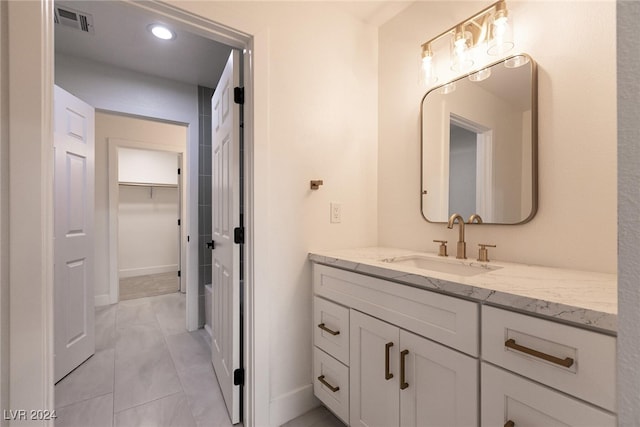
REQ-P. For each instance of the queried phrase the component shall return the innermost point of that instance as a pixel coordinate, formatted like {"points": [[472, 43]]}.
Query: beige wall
{"points": [[576, 222], [134, 129]]}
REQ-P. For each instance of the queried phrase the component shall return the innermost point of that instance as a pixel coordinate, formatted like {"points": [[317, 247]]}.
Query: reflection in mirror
{"points": [[479, 146]]}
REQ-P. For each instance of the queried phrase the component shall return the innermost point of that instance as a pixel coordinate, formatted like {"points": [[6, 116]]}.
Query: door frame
{"points": [[30, 108], [114, 144]]}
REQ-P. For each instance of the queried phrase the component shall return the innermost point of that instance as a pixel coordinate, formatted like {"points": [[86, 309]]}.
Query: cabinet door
{"points": [[508, 399], [440, 385], [374, 396]]}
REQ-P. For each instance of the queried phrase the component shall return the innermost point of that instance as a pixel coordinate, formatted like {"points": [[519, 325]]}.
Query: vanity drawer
{"points": [[447, 320], [583, 363], [331, 328], [508, 397], [331, 383]]}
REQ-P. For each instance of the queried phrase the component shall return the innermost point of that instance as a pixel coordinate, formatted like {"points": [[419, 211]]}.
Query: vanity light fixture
{"points": [[161, 31], [490, 28]]}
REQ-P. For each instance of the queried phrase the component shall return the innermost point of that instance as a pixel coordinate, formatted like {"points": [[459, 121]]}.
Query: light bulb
{"points": [[427, 71], [481, 75], [161, 32], [448, 88], [501, 37], [516, 61], [461, 59]]}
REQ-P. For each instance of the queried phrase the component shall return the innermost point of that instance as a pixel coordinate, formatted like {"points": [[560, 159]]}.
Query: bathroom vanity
{"points": [[409, 339]]}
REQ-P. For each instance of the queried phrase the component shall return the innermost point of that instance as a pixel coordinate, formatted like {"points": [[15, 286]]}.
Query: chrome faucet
{"points": [[461, 253]]}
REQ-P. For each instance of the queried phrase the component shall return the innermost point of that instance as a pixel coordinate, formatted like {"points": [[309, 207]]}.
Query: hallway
{"points": [[147, 371]]}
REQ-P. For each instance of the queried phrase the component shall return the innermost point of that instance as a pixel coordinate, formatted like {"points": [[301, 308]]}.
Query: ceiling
{"points": [[121, 39]]}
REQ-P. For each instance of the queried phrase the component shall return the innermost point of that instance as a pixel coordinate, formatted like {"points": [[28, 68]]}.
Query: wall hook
{"points": [[316, 183]]}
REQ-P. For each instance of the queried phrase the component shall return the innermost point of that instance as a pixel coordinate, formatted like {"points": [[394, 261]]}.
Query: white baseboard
{"points": [[143, 271], [291, 405], [101, 300]]}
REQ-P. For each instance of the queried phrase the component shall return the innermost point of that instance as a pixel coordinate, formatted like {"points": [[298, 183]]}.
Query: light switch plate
{"points": [[336, 212]]}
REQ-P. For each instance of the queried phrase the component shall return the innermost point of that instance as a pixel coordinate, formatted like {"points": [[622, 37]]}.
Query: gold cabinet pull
{"points": [[329, 386], [403, 383], [509, 424], [324, 328], [387, 375], [566, 362]]}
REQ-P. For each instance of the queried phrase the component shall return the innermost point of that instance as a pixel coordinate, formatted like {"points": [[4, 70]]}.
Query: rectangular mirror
{"points": [[479, 145]]}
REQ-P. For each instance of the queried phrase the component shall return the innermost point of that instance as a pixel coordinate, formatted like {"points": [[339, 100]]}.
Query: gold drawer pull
{"points": [[329, 386], [324, 328], [509, 424], [403, 383], [566, 362], [387, 375]]}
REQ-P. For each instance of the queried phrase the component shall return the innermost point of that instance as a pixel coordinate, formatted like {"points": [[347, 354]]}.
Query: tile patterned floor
{"points": [[149, 285], [147, 371], [318, 417]]}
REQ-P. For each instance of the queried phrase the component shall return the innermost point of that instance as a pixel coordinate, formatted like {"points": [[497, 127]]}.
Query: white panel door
{"points": [[225, 260], [74, 335], [440, 385], [374, 378]]}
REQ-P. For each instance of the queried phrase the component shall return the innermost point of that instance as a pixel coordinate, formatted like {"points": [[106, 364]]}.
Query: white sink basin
{"points": [[442, 265]]}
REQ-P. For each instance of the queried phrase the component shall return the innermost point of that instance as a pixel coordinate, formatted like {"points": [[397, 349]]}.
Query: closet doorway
{"points": [[146, 205], [148, 223]]}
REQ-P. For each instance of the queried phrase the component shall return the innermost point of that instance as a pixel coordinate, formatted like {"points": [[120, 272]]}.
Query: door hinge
{"points": [[178, 222], [178, 171], [238, 377], [238, 235], [238, 95], [179, 273]]}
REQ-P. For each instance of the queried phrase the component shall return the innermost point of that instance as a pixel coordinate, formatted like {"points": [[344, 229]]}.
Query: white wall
{"points": [[4, 211], [148, 234], [147, 230], [108, 126], [575, 226], [628, 15], [147, 166]]}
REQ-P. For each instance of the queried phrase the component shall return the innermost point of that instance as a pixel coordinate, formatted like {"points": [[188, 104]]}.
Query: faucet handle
{"points": [[483, 252], [442, 250]]}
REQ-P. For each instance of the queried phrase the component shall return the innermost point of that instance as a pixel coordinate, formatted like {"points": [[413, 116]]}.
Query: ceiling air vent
{"points": [[74, 19]]}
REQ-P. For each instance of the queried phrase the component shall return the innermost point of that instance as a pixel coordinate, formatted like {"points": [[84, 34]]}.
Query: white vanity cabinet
{"points": [[399, 371], [401, 379], [512, 401], [331, 356], [407, 356], [574, 362]]}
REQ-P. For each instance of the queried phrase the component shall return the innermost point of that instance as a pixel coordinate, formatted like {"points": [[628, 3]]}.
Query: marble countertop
{"points": [[581, 297]]}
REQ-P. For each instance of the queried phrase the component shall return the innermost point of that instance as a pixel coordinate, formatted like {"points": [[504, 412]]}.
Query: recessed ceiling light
{"points": [[161, 32]]}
